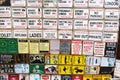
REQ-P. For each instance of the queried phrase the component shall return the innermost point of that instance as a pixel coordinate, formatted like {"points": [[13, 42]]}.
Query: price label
{"points": [[80, 24], [112, 3], [5, 23], [95, 36], [50, 13], [63, 34], [110, 36], [81, 35], [65, 13], [18, 2], [19, 12], [35, 34], [5, 12], [65, 24], [65, 3], [20, 34], [34, 23], [96, 25], [50, 3], [19, 23], [50, 34], [94, 3], [80, 3], [34, 12], [111, 26], [5, 34], [96, 13], [50, 24], [81, 13], [34, 3], [112, 14]]}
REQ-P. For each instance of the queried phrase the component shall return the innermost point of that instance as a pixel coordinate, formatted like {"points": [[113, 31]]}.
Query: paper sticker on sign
{"points": [[5, 23], [5, 12], [19, 23]]}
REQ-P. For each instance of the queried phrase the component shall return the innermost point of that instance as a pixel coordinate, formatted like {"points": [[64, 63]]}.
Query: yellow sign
{"points": [[34, 46], [97, 77], [106, 77], [79, 60], [64, 69], [53, 58], [87, 77], [78, 69], [65, 59], [44, 46]]}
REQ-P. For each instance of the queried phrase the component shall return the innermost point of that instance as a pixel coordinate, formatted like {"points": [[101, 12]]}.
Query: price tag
{"points": [[65, 3], [63, 34], [18, 2], [19, 23], [34, 3], [111, 26], [5, 23], [50, 13], [96, 13], [65, 24], [95, 36], [81, 35], [112, 14], [81, 13], [94, 3], [80, 3], [5, 34], [35, 23], [112, 3], [65, 13], [34, 33], [80, 24], [96, 25], [50, 34], [50, 23], [20, 34], [5, 12], [50, 3], [34, 12], [19, 12], [110, 36]]}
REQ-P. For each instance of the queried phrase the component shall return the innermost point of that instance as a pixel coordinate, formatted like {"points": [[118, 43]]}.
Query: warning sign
{"points": [[64, 69], [78, 69], [65, 59], [53, 59]]}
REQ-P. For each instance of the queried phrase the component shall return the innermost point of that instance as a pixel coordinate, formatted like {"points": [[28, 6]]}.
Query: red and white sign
{"points": [[45, 77], [95, 36], [112, 14], [50, 13], [96, 3], [96, 25], [81, 13], [19, 12], [65, 24], [112, 3], [19, 23], [80, 3], [18, 2], [34, 23], [96, 14], [50, 34], [35, 34], [111, 26], [20, 33], [65, 3], [81, 35], [34, 3], [34, 12], [5, 12], [88, 47], [110, 36], [5, 34], [50, 3], [65, 34], [77, 47], [80, 24], [50, 23], [65, 13], [99, 48], [5, 23]]}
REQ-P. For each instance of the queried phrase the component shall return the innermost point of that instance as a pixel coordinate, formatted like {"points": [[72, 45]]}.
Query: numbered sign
{"points": [[19, 23], [35, 34], [5, 23], [65, 59], [78, 69], [5, 12], [64, 69]]}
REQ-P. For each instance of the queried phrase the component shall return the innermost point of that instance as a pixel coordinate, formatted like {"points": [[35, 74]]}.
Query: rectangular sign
{"points": [[45, 77], [19, 23], [117, 68], [35, 34], [68, 77], [56, 77], [65, 3], [112, 3], [18, 2], [34, 3], [54, 58], [44, 46], [80, 3], [4, 76], [94, 3], [64, 69], [5, 34], [50, 3], [92, 69], [13, 77], [78, 70], [22, 58], [51, 69], [7, 68], [20, 33], [5, 23], [34, 76], [50, 34], [63, 34], [24, 76], [5, 12]]}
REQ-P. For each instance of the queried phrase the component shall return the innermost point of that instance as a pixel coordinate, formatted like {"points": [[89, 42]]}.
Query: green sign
{"points": [[3, 45]]}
